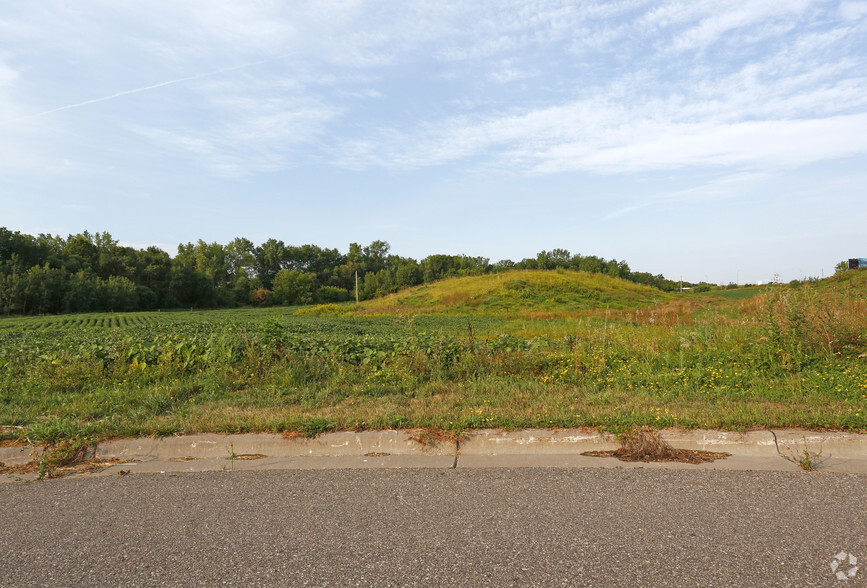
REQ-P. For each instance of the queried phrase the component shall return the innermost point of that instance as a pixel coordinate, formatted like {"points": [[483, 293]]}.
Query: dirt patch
{"points": [[86, 466], [644, 444], [434, 437], [12, 443], [248, 456], [27, 468]]}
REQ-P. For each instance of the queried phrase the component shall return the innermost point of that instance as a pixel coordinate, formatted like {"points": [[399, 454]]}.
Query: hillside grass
{"points": [[734, 294], [528, 294], [786, 357]]}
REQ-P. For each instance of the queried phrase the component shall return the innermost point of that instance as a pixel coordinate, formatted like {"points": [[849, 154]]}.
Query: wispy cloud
{"points": [[794, 100], [125, 93], [853, 11], [722, 18], [627, 85], [624, 211], [254, 136]]}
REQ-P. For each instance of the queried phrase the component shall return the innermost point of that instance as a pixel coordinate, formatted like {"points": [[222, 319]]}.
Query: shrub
{"points": [[261, 297], [331, 294]]}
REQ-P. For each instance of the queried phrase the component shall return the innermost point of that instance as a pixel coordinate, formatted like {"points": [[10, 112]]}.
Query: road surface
{"points": [[444, 527]]}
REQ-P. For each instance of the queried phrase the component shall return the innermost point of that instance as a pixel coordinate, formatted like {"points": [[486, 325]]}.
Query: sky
{"points": [[709, 140]]}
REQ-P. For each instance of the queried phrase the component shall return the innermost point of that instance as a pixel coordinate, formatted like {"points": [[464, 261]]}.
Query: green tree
{"points": [[117, 294], [82, 294], [331, 294], [375, 255], [407, 274], [268, 259], [240, 257], [293, 287]]}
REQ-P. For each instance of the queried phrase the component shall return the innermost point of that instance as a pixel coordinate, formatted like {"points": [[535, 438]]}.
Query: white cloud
{"points": [[749, 144], [508, 72], [724, 17], [617, 85], [852, 11], [752, 124], [7, 75], [255, 135]]}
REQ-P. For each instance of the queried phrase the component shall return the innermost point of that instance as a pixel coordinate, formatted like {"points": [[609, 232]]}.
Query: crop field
{"points": [[785, 357]]}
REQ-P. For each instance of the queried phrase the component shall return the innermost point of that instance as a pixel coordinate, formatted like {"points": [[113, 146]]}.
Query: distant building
{"points": [[857, 262]]}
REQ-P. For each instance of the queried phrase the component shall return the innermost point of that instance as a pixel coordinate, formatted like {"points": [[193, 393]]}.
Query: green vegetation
{"points": [[621, 356], [84, 273], [528, 294], [735, 293]]}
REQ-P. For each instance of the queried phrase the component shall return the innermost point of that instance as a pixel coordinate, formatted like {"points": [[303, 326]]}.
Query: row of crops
{"points": [[57, 324], [198, 339], [122, 321]]}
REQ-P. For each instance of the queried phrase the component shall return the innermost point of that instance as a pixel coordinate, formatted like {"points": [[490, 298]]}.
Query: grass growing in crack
{"points": [[807, 460], [232, 455], [66, 452]]}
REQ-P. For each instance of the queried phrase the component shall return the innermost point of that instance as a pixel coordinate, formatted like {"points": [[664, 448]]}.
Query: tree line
{"points": [[93, 272]]}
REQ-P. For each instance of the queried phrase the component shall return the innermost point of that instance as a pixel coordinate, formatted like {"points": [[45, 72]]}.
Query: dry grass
{"points": [[84, 466], [28, 468], [434, 437], [644, 444]]}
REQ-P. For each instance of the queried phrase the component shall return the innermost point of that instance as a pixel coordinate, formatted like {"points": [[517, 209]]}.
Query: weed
{"points": [[807, 460], [232, 455], [645, 444], [66, 452]]}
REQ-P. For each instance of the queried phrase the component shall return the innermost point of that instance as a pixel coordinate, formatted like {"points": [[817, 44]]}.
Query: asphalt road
{"points": [[484, 527]]}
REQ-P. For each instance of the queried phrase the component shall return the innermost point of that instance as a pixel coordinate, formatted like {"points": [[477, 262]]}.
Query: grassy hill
{"points": [[526, 293], [852, 282]]}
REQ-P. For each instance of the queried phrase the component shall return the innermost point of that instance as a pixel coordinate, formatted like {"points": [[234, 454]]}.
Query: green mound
{"points": [[527, 293]]}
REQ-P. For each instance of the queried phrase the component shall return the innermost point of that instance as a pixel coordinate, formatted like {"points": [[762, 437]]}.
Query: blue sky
{"points": [[714, 140]]}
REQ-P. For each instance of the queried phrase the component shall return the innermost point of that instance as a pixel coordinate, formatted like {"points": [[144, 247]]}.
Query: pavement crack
{"points": [[457, 453], [777, 444]]}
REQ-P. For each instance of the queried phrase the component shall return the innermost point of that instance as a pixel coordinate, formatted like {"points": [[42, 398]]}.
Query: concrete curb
{"points": [[14, 456], [535, 442], [777, 450], [577, 441], [839, 445], [223, 446]]}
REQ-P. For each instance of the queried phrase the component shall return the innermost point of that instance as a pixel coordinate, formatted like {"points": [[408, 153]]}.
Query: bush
{"points": [[332, 294], [261, 297]]}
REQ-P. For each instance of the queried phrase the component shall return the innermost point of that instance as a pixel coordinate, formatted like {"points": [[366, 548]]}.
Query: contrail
{"points": [[128, 92]]}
